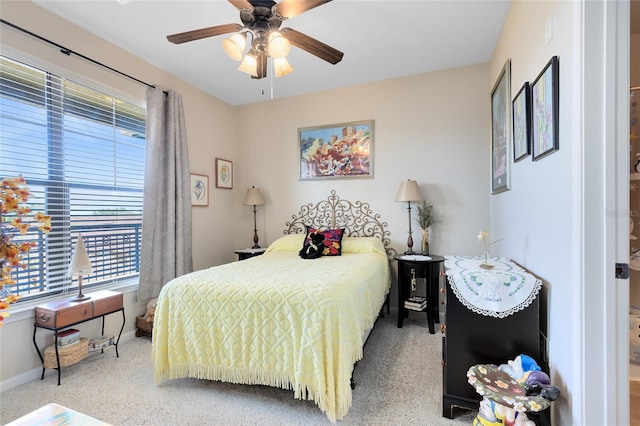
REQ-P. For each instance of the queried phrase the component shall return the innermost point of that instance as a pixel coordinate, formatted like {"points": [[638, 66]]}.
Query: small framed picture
{"points": [[224, 174], [545, 96], [199, 190], [522, 123]]}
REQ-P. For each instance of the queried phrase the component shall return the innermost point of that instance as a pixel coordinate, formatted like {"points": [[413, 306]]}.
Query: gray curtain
{"points": [[166, 223]]}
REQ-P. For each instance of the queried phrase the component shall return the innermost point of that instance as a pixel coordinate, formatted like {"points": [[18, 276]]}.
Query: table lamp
{"points": [[409, 191], [254, 198], [80, 265]]}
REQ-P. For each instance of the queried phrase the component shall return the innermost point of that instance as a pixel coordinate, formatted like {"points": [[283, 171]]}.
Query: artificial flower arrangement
{"points": [[16, 218], [483, 236], [425, 220]]}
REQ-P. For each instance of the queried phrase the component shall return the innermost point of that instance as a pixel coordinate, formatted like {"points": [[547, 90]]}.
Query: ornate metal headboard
{"points": [[356, 217]]}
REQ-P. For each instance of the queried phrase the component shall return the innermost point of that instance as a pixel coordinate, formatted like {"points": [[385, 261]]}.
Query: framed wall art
{"points": [[224, 173], [199, 190], [545, 97], [522, 123], [501, 130], [333, 151]]}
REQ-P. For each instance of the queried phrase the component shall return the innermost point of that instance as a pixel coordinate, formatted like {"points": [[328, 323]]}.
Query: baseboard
{"points": [[36, 373]]}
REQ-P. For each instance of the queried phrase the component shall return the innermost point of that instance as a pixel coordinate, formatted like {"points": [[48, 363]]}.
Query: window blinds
{"points": [[81, 152]]}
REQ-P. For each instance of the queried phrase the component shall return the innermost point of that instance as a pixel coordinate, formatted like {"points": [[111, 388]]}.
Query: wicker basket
{"points": [[68, 354], [143, 328]]}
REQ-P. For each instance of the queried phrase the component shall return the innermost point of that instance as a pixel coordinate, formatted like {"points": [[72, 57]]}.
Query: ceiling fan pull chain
{"points": [[273, 71]]}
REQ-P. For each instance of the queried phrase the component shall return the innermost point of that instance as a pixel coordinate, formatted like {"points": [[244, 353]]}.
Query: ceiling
{"points": [[380, 39]]}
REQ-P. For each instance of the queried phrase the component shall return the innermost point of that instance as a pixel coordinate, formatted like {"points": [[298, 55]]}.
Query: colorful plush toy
{"points": [[313, 246], [509, 390]]}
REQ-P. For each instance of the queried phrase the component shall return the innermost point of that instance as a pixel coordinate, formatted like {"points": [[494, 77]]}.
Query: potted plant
{"points": [[425, 219]]}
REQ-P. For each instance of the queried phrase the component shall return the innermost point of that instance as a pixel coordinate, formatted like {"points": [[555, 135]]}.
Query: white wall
{"points": [[536, 216], [430, 127]]}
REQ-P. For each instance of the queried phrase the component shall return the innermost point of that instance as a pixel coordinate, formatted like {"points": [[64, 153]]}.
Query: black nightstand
{"points": [[415, 266], [249, 252]]}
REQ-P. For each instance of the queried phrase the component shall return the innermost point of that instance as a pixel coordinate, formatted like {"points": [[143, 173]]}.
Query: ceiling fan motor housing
{"points": [[260, 18]]}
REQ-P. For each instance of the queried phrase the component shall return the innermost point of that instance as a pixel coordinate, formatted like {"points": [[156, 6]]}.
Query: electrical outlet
{"points": [[548, 29]]}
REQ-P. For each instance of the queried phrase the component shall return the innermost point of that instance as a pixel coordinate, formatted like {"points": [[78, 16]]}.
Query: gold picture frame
{"points": [[224, 173]]}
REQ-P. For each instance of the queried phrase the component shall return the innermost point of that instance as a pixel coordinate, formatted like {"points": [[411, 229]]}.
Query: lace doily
{"points": [[498, 292]]}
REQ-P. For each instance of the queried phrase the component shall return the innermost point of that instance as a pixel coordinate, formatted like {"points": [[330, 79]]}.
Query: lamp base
{"points": [[409, 252], [80, 297], [255, 246]]}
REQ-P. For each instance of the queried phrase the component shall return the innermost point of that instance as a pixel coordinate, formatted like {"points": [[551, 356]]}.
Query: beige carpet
{"points": [[399, 381]]}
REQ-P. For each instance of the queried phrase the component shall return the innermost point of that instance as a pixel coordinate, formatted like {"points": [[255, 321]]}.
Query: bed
{"points": [[278, 319]]}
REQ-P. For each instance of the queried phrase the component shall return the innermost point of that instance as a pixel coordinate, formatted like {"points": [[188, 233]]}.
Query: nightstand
{"points": [[413, 267], [249, 252]]}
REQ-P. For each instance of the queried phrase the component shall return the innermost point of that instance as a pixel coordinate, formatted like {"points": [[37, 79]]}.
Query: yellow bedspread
{"points": [[275, 320]]}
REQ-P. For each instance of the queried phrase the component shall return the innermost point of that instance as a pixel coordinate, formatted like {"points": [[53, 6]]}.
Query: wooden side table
{"points": [[415, 266], [61, 314], [249, 252]]}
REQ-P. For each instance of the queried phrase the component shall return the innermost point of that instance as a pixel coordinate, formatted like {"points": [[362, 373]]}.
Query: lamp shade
{"points": [[409, 191], [250, 64], [279, 46], [282, 67], [80, 262], [234, 45], [253, 197]]}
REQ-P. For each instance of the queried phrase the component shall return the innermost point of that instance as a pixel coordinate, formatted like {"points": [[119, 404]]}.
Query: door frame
{"points": [[600, 377]]}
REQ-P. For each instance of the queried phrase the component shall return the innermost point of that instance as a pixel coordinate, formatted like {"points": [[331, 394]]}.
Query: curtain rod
{"points": [[69, 52]]}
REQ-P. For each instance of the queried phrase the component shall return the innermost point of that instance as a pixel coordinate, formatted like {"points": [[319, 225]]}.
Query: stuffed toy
{"points": [[151, 310], [313, 246]]}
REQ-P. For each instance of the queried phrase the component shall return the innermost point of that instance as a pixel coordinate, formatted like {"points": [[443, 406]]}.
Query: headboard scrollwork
{"points": [[356, 217]]}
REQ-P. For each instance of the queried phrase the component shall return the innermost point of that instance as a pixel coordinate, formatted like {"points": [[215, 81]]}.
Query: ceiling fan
{"points": [[261, 19]]}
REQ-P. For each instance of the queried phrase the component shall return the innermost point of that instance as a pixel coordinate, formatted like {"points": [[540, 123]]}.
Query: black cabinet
{"points": [[470, 338]]}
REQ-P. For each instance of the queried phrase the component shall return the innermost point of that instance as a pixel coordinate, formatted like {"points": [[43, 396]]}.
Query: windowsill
{"points": [[25, 311]]}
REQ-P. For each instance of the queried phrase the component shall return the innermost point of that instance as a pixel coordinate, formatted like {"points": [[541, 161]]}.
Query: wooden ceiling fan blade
{"points": [[291, 8], [312, 46], [204, 33], [262, 66], [241, 4]]}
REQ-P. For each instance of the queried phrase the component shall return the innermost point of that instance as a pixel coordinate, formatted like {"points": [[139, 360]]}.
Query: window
{"points": [[81, 152]]}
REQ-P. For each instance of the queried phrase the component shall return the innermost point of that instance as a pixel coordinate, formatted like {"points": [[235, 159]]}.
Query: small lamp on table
{"points": [[254, 198], [80, 265], [409, 191]]}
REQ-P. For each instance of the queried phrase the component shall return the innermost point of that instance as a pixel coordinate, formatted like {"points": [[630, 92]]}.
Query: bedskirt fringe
{"points": [[259, 377]]}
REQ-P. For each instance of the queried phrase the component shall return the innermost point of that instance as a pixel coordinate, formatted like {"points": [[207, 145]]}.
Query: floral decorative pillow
{"points": [[332, 240]]}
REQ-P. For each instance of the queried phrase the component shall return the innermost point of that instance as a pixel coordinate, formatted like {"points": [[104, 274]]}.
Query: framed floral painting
{"points": [[224, 173], [522, 123], [545, 99], [199, 190]]}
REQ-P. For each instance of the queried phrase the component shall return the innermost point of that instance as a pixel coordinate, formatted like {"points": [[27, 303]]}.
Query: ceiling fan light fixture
{"points": [[249, 64], [234, 46], [279, 45], [281, 67]]}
